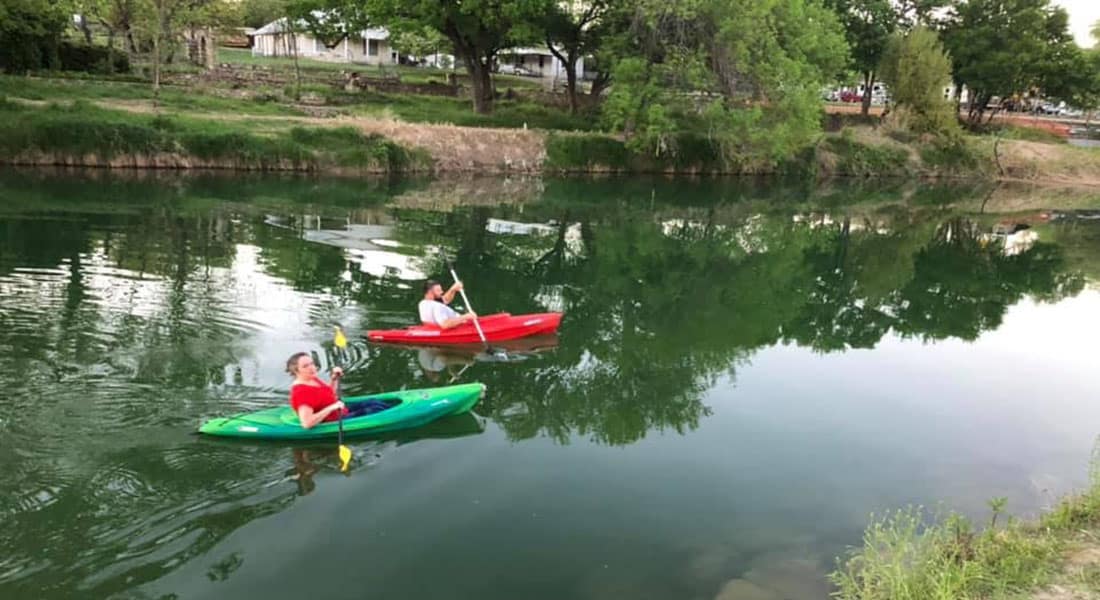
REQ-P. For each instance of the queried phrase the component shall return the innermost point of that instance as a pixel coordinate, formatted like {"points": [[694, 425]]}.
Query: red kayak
{"points": [[497, 328]]}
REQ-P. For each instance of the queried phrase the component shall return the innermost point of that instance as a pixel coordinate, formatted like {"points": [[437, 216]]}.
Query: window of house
{"points": [[372, 48], [541, 57], [318, 47]]}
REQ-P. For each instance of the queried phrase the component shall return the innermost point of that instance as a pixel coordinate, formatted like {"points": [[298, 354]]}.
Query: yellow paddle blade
{"points": [[339, 339], [345, 458]]}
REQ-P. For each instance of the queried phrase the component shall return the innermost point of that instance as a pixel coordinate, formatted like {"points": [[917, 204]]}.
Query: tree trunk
{"points": [[481, 79], [569, 61], [599, 84], [868, 83], [110, 51], [87, 31], [297, 71], [571, 83], [156, 52]]}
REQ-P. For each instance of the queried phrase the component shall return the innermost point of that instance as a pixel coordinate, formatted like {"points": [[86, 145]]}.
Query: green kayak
{"points": [[409, 408]]}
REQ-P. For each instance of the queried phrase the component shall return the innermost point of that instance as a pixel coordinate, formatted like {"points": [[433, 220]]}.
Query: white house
{"points": [[370, 46], [538, 61]]}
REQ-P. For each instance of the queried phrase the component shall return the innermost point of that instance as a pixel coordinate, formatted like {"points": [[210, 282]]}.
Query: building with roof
{"points": [[369, 46]]}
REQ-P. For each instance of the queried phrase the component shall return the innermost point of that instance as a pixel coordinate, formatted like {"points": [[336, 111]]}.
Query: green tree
{"points": [[1007, 48], [868, 25], [257, 13], [575, 29], [745, 74], [916, 68], [30, 32], [477, 29], [916, 13], [418, 41], [329, 22]]}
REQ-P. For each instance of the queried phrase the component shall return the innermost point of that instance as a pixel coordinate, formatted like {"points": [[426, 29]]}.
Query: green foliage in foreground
{"points": [[80, 129], [905, 558], [912, 555]]}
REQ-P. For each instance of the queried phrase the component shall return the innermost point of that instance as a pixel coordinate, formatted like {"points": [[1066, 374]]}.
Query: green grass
{"points": [[1018, 132], [912, 555], [458, 111], [171, 97], [906, 557], [960, 155], [864, 160], [78, 130]]}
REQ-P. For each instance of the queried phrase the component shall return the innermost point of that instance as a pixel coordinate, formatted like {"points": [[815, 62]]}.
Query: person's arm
{"points": [[456, 321], [449, 295], [308, 418]]}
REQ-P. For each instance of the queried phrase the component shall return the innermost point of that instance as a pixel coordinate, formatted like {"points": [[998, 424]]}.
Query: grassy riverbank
{"points": [[94, 122], [80, 133], [910, 555]]}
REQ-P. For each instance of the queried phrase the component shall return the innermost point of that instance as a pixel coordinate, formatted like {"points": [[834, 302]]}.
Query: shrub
{"points": [[916, 68], [586, 152], [92, 59]]}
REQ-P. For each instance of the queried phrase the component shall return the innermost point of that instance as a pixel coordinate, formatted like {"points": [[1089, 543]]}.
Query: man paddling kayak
{"points": [[434, 310], [311, 398]]}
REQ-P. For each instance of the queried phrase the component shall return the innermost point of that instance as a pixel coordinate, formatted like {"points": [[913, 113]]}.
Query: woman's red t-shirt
{"points": [[316, 397]]}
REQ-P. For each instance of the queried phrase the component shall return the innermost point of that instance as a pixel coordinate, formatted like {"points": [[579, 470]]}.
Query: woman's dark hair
{"points": [[292, 362]]}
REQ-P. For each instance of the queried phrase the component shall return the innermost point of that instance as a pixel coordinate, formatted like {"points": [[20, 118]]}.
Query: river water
{"points": [[746, 371]]}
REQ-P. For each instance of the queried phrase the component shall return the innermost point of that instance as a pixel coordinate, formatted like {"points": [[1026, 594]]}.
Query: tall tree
{"points": [[916, 68], [30, 31], [573, 29], [868, 25], [1007, 48], [478, 30], [918, 13], [749, 71]]}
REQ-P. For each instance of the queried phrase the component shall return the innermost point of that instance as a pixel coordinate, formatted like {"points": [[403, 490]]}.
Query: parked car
{"points": [[850, 96], [1048, 108], [516, 70]]}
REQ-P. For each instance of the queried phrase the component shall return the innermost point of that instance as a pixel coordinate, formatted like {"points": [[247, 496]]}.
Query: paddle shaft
{"points": [[477, 325], [339, 415]]}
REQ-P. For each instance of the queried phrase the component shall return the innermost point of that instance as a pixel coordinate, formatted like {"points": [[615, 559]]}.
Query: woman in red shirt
{"points": [[314, 400]]}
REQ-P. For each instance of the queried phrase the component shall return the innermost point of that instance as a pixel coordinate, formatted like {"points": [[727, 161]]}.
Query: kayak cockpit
{"points": [[358, 409]]}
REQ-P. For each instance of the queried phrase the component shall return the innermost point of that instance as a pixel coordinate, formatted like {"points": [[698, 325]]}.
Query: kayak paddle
{"points": [[344, 451], [477, 325], [341, 343]]}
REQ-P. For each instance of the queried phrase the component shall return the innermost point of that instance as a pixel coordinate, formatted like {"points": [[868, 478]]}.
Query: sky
{"points": [[1082, 14]]}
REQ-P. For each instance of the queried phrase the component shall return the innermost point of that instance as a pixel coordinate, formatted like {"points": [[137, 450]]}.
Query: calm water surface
{"points": [[745, 372]]}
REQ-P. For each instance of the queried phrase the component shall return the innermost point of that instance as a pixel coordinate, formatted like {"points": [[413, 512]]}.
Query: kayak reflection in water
{"points": [[434, 362], [311, 398], [434, 310]]}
